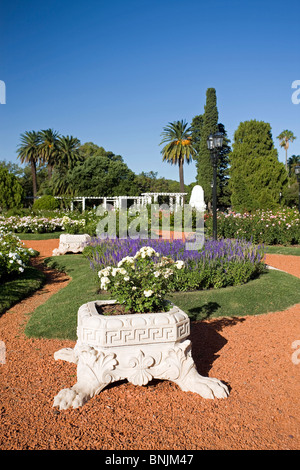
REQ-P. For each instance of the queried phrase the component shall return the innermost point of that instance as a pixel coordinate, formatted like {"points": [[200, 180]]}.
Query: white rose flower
{"points": [[148, 293], [104, 282], [179, 264]]}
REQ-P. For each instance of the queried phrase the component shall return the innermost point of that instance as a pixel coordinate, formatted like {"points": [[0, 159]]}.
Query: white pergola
{"points": [[153, 198], [118, 201]]}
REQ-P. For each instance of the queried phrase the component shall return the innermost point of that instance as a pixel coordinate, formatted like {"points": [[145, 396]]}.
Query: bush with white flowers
{"points": [[14, 257], [140, 282]]}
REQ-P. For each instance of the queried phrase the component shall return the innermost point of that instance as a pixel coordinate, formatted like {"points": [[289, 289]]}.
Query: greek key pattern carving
{"points": [[133, 336]]}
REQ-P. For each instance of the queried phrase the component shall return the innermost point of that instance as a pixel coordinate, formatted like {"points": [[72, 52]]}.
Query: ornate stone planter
{"points": [[71, 244], [136, 347]]}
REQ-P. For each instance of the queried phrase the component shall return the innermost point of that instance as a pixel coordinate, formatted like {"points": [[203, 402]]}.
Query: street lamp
{"points": [[214, 144], [297, 171]]}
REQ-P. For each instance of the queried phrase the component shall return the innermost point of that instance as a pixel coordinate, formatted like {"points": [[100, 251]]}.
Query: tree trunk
{"points": [[33, 173], [49, 168], [181, 179]]}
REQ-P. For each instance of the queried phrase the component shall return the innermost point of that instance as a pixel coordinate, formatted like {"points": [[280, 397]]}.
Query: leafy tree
{"points": [[179, 146], [29, 152], [49, 148], [13, 168], [256, 175], [89, 149], [11, 190], [285, 137], [102, 176]]}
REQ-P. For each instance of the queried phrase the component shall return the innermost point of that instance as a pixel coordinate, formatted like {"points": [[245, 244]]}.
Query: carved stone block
{"points": [[71, 244], [136, 347]]}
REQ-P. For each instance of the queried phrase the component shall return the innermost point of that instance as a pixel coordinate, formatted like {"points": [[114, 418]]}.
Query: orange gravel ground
{"points": [[252, 355]]}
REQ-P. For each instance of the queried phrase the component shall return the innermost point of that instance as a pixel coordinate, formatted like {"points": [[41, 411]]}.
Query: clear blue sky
{"points": [[116, 72]]}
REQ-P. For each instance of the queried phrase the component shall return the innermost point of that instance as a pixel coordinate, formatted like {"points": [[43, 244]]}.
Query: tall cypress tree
{"points": [[209, 126], [256, 175], [223, 188], [202, 126]]}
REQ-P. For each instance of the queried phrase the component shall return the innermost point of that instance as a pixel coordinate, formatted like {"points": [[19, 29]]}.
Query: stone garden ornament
{"points": [[137, 347], [71, 244], [197, 198]]}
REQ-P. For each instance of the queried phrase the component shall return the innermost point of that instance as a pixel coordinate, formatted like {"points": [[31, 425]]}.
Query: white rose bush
{"points": [[14, 257], [140, 282]]}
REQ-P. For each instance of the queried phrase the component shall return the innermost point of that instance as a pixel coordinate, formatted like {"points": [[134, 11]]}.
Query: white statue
{"points": [[197, 198]]}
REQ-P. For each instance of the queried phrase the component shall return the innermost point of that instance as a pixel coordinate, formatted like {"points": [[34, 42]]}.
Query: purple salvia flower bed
{"points": [[230, 257]]}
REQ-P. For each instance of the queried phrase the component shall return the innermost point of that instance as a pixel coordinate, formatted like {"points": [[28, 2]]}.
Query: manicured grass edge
{"points": [[57, 318], [15, 290]]}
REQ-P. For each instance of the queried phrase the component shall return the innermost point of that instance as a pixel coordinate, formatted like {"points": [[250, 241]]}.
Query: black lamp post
{"points": [[214, 144], [297, 171]]}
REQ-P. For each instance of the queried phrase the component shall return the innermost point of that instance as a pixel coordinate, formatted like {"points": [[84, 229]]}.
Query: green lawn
{"points": [[283, 291], [39, 236], [57, 318], [14, 290], [283, 250]]}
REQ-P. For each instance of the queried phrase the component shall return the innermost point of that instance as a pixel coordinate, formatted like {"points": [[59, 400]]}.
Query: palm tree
{"points": [[68, 152], [68, 155], [48, 148], [285, 138], [179, 146], [292, 162], [28, 152]]}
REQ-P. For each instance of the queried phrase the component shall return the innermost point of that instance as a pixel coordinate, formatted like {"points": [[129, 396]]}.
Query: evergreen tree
{"points": [[209, 126], [11, 190], [223, 189], [202, 126], [256, 175]]}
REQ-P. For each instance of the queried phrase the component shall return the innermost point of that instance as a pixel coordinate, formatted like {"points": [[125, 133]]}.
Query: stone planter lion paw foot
{"points": [[135, 347]]}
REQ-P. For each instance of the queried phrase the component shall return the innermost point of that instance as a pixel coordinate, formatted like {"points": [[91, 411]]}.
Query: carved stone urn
{"points": [[137, 347]]}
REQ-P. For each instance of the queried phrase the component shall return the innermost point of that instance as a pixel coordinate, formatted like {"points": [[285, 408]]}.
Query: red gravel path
{"points": [[253, 355]]}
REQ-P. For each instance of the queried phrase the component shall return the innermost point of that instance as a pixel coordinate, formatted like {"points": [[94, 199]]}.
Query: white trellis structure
{"points": [[152, 198], [118, 202]]}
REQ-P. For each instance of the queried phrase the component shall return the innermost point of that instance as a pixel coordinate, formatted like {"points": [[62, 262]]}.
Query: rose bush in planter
{"points": [[140, 282], [145, 338]]}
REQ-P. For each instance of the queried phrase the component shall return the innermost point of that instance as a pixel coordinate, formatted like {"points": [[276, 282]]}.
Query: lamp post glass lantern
{"points": [[214, 144]]}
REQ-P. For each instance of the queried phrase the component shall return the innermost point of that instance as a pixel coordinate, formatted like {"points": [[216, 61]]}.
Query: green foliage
{"points": [[285, 137], [28, 152], [270, 227], [11, 191], [179, 146], [140, 282], [14, 258], [57, 317], [102, 175], [202, 126], [48, 203], [256, 175], [209, 126]]}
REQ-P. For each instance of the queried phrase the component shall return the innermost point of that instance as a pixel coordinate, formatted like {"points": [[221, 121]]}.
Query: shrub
{"points": [[45, 203], [280, 227], [140, 282], [217, 264], [14, 258]]}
